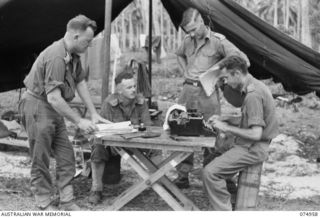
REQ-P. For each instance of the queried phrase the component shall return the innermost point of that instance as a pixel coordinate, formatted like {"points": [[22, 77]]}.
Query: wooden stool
{"points": [[248, 187]]}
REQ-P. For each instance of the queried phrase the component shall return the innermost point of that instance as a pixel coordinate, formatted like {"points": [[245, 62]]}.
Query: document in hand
{"points": [[114, 128], [209, 79]]}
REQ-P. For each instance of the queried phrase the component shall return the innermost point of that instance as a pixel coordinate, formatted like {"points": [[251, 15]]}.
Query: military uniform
{"points": [[199, 59], [114, 110], [258, 109], [47, 133]]}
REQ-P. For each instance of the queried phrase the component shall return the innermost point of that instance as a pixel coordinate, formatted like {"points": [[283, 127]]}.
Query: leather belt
{"points": [[192, 82]]}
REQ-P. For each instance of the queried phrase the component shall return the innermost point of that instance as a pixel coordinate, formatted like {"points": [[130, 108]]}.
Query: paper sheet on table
{"points": [[11, 125], [208, 80], [114, 128]]}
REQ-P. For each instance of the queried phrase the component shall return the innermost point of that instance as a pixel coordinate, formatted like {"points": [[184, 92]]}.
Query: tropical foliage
{"points": [[298, 18]]}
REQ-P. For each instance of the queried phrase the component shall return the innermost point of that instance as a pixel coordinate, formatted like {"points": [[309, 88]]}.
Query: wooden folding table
{"points": [[154, 175]]}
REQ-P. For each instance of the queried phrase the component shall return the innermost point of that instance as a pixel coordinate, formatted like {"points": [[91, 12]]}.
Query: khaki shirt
{"points": [[55, 68], [112, 109], [258, 109], [201, 58]]}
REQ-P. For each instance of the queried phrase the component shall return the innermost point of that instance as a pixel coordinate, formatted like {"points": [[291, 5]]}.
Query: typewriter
{"points": [[190, 123]]}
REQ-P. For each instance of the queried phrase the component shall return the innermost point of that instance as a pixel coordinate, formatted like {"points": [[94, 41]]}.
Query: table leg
{"points": [[187, 203], [150, 180], [134, 190]]}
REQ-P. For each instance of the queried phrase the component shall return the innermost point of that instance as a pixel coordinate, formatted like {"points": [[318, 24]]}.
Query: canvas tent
{"points": [[29, 26]]}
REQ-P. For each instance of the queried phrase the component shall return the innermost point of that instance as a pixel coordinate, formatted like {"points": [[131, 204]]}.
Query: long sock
{"points": [[97, 174]]}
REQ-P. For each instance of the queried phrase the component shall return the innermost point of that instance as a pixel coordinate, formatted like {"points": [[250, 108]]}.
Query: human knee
{"points": [[210, 172], [99, 153]]}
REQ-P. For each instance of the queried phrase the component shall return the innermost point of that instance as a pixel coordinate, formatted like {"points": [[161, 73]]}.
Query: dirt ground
{"points": [[281, 185]]}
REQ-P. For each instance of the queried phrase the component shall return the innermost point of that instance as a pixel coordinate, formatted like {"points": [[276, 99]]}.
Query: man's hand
{"points": [[96, 118], [222, 126], [213, 118], [86, 125], [209, 123]]}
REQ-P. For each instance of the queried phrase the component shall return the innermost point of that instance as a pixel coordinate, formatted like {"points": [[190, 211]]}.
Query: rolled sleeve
{"points": [[55, 74], [254, 110]]}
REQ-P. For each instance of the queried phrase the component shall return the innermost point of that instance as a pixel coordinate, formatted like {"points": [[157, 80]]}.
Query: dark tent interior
{"points": [[27, 27]]}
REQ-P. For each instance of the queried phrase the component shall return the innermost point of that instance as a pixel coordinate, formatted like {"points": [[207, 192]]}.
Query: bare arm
{"points": [[253, 133], [83, 91], [84, 94], [181, 56], [254, 111], [182, 61], [60, 105]]}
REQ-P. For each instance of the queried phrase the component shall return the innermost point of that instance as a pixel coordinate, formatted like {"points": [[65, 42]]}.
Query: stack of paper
{"points": [[114, 128]]}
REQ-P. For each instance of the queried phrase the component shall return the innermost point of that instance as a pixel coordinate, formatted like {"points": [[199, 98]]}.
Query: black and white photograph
{"points": [[159, 105]]}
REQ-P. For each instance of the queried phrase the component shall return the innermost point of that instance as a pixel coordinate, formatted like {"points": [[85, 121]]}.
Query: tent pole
{"points": [[150, 48], [107, 32]]}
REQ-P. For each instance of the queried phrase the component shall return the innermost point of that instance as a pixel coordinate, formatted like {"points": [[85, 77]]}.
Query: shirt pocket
{"points": [[208, 56]]}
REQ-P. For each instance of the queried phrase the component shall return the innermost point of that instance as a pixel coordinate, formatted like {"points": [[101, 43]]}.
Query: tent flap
{"points": [[27, 27]]}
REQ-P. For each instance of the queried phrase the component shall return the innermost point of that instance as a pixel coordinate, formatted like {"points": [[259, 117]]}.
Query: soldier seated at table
{"points": [[124, 105], [258, 126]]}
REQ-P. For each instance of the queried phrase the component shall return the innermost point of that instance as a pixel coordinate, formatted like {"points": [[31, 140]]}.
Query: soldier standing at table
{"points": [[258, 126], [51, 83], [201, 50]]}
